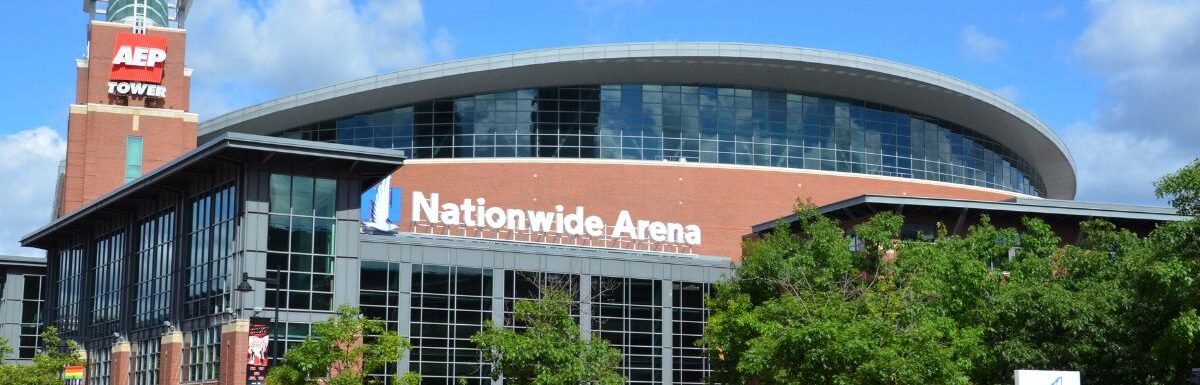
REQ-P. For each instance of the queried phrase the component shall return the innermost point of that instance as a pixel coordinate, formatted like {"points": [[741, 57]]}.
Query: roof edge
{"points": [[1061, 183], [226, 140], [1032, 206]]}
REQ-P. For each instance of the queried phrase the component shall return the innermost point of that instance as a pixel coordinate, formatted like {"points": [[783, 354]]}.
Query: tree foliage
{"points": [[341, 351], [805, 308], [48, 364], [550, 349], [1182, 189]]}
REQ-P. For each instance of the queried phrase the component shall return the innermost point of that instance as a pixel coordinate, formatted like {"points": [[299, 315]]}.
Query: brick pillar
{"points": [[235, 344], [355, 367], [119, 368], [170, 359]]}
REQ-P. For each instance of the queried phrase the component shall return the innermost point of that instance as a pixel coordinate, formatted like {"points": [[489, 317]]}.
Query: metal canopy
{"points": [[1036, 207]]}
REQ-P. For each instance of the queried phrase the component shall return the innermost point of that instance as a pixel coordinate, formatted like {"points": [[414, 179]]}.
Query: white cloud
{"points": [[978, 45], [1117, 166], [1127, 36], [245, 51], [1009, 92], [31, 160], [1148, 52], [444, 43], [1054, 13], [593, 7], [605, 17]]}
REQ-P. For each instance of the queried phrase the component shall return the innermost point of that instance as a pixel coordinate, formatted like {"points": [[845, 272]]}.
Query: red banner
{"points": [[257, 359]]}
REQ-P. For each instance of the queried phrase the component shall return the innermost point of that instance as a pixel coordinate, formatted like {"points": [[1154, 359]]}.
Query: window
{"points": [[133, 158], [527, 285], [155, 256], [31, 320], [145, 362], [300, 241], [285, 336], [703, 123], [689, 315], [204, 355], [68, 282], [379, 298], [628, 313], [98, 366], [109, 276], [449, 305], [212, 228]]}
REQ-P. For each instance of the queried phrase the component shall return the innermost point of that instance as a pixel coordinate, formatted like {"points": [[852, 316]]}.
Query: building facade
{"points": [[132, 96], [22, 284], [434, 197]]}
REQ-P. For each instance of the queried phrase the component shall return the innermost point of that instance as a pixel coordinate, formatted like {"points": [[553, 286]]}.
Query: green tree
{"points": [[335, 353], [1170, 280], [48, 364], [806, 308], [550, 350], [1182, 189]]}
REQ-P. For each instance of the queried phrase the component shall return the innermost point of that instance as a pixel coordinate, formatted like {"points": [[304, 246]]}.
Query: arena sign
{"points": [[137, 65], [477, 214], [382, 204]]}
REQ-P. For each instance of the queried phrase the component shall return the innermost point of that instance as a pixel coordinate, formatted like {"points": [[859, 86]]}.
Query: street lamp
{"points": [[245, 287]]}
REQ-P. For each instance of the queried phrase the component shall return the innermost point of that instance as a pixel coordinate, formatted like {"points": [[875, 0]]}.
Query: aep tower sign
{"points": [[137, 65]]}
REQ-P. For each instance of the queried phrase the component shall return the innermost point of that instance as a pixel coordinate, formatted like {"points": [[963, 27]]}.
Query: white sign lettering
{"points": [[476, 213], [135, 88], [139, 56]]}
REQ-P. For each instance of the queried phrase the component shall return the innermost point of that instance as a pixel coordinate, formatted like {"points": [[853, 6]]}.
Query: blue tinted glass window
{"points": [[645, 122]]}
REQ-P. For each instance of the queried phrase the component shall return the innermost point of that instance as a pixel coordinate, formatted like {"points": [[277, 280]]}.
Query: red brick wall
{"points": [[96, 139], [96, 150], [234, 344], [119, 367], [102, 37], [724, 201], [170, 359]]}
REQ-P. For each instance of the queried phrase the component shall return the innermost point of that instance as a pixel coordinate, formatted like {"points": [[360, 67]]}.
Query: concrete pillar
{"points": [[170, 359], [82, 354], [235, 344], [119, 368]]}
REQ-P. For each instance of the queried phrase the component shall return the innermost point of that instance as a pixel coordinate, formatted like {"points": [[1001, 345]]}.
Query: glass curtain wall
{"points": [[693, 123], [379, 298], [145, 362], [31, 320], [628, 313], [212, 230], [109, 284], [204, 354], [69, 284], [98, 370], [449, 305], [300, 241], [688, 316], [155, 256]]}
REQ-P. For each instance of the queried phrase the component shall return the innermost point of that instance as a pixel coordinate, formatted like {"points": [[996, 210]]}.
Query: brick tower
{"points": [[131, 99]]}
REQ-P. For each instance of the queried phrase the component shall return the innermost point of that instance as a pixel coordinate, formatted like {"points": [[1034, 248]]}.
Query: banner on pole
{"points": [[257, 360]]}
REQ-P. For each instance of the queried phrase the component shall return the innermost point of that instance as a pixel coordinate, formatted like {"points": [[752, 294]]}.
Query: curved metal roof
{"points": [[746, 65]]}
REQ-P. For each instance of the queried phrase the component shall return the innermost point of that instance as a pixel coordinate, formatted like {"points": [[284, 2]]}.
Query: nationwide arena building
{"points": [[434, 197]]}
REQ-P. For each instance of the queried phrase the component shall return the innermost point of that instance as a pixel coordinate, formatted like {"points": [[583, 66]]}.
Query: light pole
{"points": [[245, 287]]}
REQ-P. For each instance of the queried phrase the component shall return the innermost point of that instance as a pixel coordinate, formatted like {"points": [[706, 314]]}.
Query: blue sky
{"points": [[1114, 78]]}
